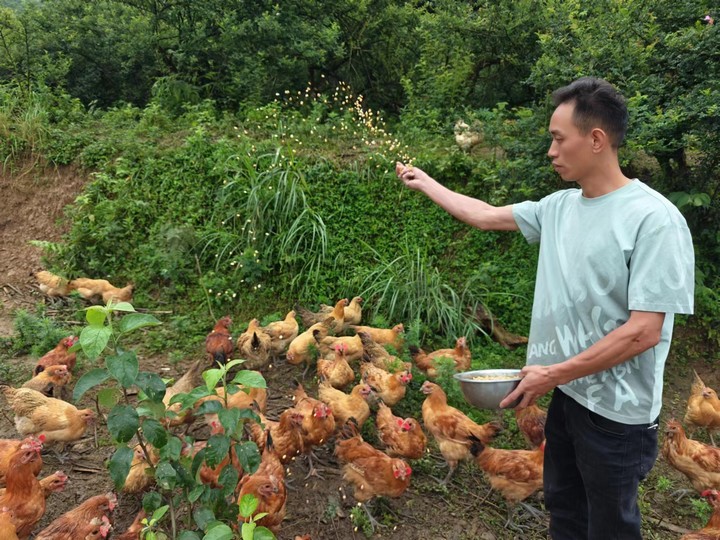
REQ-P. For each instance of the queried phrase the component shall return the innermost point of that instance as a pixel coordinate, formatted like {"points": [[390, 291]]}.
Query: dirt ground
{"points": [[32, 208]]}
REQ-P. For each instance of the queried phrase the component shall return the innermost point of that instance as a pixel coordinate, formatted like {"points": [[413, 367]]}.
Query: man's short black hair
{"points": [[597, 104]]}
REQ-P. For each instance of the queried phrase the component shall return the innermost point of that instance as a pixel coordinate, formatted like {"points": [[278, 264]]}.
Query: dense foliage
{"points": [[234, 165]]}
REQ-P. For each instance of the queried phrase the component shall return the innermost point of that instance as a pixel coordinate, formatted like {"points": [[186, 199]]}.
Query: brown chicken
{"points": [[8, 447], [337, 313], [531, 422], [140, 476], [353, 311], [395, 336], [353, 346], [711, 531], [74, 524], [7, 527], [304, 347], [267, 484], [56, 420], [318, 423], [318, 419], [426, 362], [451, 428], [378, 355], [389, 387], [50, 381], [345, 406], [286, 434], [703, 407], [370, 471], [53, 483], [52, 285], [335, 369], [92, 289], [253, 346], [516, 474], [190, 379], [133, 532], [97, 529], [24, 496], [402, 437], [282, 333], [698, 461], [219, 343], [58, 356]]}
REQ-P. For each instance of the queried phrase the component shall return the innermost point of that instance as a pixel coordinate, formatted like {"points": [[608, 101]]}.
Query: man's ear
{"points": [[600, 139]]}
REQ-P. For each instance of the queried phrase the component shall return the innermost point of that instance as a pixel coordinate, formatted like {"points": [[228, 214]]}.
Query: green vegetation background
{"points": [[242, 153]]}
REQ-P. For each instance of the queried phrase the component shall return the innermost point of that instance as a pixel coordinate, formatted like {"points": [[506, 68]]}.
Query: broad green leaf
{"points": [[203, 516], [172, 450], [263, 533], [109, 397], [123, 367], [165, 475], [188, 535], [151, 501], [133, 321], [94, 339], [151, 536], [150, 409], [152, 385], [123, 422], [89, 380], [250, 379], [96, 315], [248, 456], [197, 462], [120, 465], [232, 363], [248, 504], [212, 377], [154, 432], [219, 532], [247, 530], [217, 449], [123, 306], [195, 493], [209, 407], [159, 513], [188, 400], [228, 479], [229, 419]]}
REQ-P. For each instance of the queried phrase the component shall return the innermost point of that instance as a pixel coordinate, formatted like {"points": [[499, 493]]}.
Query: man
{"points": [[616, 263]]}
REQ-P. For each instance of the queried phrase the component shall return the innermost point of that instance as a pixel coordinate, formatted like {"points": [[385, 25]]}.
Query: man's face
{"points": [[570, 151]]}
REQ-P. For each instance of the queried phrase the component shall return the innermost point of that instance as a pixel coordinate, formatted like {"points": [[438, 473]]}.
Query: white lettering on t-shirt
{"points": [[624, 394]]}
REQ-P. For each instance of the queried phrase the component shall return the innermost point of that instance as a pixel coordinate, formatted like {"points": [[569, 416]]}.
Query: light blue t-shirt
{"points": [[599, 259]]}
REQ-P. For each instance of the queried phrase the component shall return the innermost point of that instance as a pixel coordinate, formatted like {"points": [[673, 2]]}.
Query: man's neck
{"points": [[603, 181]]}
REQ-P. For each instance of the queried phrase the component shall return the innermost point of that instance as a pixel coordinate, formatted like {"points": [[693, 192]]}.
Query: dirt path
{"points": [[31, 208]]}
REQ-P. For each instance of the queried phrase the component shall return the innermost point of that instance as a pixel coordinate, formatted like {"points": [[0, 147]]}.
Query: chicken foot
{"points": [[374, 523]]}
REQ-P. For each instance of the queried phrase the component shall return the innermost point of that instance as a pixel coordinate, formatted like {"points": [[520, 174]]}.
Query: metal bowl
{"points": [[488, 393]]}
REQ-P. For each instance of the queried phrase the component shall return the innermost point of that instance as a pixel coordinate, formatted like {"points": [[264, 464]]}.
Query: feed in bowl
{"points": [[486, 388]]}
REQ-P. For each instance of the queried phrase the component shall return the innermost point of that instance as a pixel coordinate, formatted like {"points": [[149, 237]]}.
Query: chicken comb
{"points": [[32, 443], [112, 500], [61, 476], [105, 527], [400, 422]]}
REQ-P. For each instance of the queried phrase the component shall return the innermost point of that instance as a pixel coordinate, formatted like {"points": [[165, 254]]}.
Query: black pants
{"points": [[593, 467]]}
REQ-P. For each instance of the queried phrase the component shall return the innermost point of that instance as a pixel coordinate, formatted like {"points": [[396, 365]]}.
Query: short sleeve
{"points": [[528, 216], [662, 271]]}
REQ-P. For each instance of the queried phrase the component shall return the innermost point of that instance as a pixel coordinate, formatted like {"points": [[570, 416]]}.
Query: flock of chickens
{"points": [[346, 355]]}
